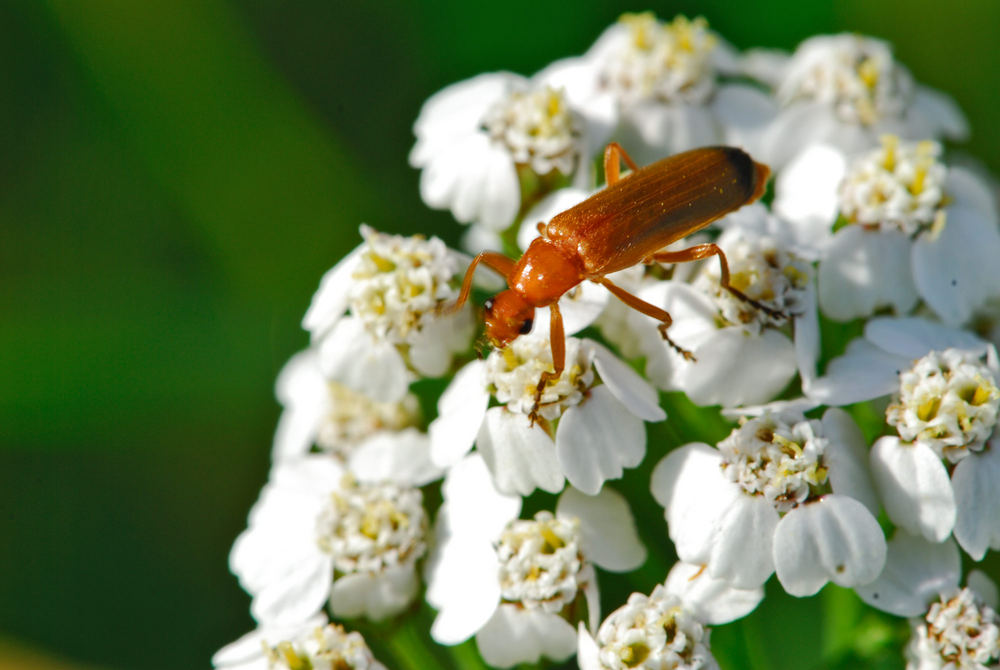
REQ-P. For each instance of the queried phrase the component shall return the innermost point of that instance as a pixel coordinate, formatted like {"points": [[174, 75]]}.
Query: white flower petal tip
{"points": [[518, 453], [713, 600], [628, 387], [514, 636], [461, 410], [914, 487], [610, 537], [916, 572], [977, 497], [835, 539]]}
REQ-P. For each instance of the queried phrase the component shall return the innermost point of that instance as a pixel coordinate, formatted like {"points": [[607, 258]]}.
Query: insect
{"points": [[628, 222]]}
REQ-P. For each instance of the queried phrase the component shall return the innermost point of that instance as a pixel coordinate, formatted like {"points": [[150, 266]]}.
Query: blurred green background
{"points": [[175, 176]]}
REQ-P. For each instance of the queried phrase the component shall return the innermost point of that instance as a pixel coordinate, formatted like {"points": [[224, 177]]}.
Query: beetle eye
{"points": [[525, 327], [488, 304]]}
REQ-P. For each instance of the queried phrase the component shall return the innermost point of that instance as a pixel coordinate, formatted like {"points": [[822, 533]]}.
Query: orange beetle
{"points": [[627, 223]]}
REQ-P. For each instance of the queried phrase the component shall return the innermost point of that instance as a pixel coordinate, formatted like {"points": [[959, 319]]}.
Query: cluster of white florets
{"points": [[949, 401], [900, 186], [538, 128], [959, 631], [668, 62], [367, 528], [654, 631], [514, 372], [541, 562], [865, 217], [779, 460], [399, 282], [857, 76]]}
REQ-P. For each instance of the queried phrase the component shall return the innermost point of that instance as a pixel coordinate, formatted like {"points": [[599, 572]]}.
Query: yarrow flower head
{"points": [[949, 401], [395, 289], [521, 585], [313, 644], [581, 430], [667, 628], [799, 484], [959, 631], [317, 535]]}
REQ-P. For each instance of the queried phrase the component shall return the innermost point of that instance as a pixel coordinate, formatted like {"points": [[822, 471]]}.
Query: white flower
{"points": [[658, 83], [520, 586], [847, 90], [312, 644], [586, 432], [743, 355], [377, 441], [945, 413], [781, 494], [953, 627], [317, 535], [666, 629], [480, 141], [394, 288], [917, 229]]}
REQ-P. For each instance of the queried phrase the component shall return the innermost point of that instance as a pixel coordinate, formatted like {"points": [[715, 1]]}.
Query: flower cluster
{"points": [[839, 328]]}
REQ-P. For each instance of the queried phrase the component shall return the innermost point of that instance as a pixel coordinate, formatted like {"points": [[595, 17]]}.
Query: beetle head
{"points": [[507, 316]]}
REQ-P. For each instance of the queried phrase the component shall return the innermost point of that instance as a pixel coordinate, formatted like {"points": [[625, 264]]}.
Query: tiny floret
{"points": [[959, 631], [513, 374], [897, 187], [855, 75], [541, 562], [367, 528], [328, 647], [781, 460], [399, 282], [353, 417], [947, 400], [663, 62], [538, 128], [654, 631]]}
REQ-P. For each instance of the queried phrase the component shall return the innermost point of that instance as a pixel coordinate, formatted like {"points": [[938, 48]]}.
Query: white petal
{"points": [[586, 650], [597, 439], [375, 597], [835, 539], [459, 107], [403, 457], [608, 534], [652, 130], [973, 192], [847, 457], [952, 269], [297, 596], [351, 356], [515, 635], [303, 391], [627, 386], [711, 600], [807, 348], [984, 587], [463, 586], [521, 457], [708, 516], [473, 505], [461, 410], [734, 368], [863, 271], [694, 316], [744, 112], [805, 191], [432, 347], [914, 487], [942, 112], [976, 482], [332, 297], [916, 572], [862, 373], [248, 649], [913, 337]]}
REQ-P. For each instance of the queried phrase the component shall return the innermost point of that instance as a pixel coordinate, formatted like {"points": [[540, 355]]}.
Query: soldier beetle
{"points": [[630, 221]]}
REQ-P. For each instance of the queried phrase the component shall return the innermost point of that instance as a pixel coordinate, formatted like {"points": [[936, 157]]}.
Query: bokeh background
{"points": [[175, 176]]}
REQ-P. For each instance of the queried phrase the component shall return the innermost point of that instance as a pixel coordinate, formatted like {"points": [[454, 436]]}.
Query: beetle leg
{"points": [[701, 251], [614, 153], [640, 305], [557, 340], [491, 259]]}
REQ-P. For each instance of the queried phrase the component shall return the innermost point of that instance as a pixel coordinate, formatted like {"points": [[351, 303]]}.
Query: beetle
{"points": [[627, 223]]}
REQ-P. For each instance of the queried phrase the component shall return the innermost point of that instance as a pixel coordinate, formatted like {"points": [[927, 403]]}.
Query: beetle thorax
{"points": [[545, 272]]}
